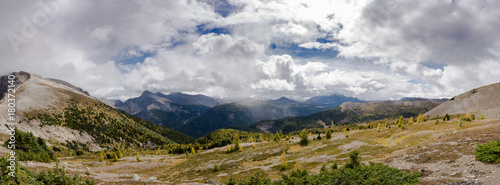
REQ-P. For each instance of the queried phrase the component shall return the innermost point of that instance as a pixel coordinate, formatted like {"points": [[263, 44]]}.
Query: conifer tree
{"points": [[115, 156], [323, 169], [446, 117], [467, 117], [237, 143], [481, 117], [138, 158], [410, 120], [276, 137], [420, 118], [328, 134], [334, 166], [303, 138], [401, 121], [283, 161], [378, 127]]}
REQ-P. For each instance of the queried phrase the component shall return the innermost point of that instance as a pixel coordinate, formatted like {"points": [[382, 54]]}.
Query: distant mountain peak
{"points": [[147, 93], [282, 101], [176, 93]]}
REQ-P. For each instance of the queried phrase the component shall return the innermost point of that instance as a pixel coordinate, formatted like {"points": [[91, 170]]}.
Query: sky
{"points": [[369, 49]]}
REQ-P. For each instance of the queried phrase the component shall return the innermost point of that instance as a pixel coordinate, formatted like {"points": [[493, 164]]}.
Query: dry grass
{"points": [[422, 143]]}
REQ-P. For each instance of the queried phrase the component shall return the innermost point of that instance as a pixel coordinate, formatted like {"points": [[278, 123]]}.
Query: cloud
{"points": [[317, 45], [406, 34], [386, 49], [274, 85]]}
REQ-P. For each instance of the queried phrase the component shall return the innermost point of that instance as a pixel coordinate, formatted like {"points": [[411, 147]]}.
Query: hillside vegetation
{"points": [[441, 152], [347, 113], [109, 126]]}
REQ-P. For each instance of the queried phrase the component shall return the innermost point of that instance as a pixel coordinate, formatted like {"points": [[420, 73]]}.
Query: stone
{"points": [[136, 177], [152, 179], [212, 182]]}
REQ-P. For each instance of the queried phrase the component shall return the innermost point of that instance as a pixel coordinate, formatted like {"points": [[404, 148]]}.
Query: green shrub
{"points": [[355, 173], [446, 117], [56, 175], [488, 152], [31, 148], [216, 168]]}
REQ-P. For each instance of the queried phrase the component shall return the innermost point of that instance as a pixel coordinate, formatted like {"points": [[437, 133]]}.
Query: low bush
{"points": [[488, 152], [354, 172], [56, 175]]}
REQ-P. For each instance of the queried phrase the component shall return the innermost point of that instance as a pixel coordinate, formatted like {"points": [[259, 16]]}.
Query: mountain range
{"points": [[197, 115], [172, 110]]}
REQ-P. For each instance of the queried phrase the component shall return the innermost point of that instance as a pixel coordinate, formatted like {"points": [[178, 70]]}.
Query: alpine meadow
{"points": [[249, 92]]}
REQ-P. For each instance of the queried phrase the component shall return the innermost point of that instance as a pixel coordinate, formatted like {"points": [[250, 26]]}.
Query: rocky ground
{"points": [[443, 153]]}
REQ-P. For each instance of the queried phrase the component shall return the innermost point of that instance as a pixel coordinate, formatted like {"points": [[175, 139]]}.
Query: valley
{"points": [[442, 152], [65, 130]]}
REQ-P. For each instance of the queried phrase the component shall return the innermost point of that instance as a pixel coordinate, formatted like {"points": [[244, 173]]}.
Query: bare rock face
{"points": [[34, 93], [485, 100], [21, 77], [390, 105]]}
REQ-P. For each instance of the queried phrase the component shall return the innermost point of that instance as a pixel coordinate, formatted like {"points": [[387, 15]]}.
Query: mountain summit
{"points": [[282, 101], [172, 110]]}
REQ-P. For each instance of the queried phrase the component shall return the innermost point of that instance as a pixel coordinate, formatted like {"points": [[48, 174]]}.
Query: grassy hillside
{"points": [[108, 126]]}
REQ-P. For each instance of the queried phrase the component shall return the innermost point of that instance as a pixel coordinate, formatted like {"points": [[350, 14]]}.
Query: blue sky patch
{"points": [[296, 51], [434, 65], [417, 81], [203, 29], [135, 59]]}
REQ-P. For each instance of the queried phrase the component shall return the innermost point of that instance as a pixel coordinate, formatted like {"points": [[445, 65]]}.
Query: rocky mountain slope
{"points": [[485, 100], [392, 107], [171, 110], [58, 112]]}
